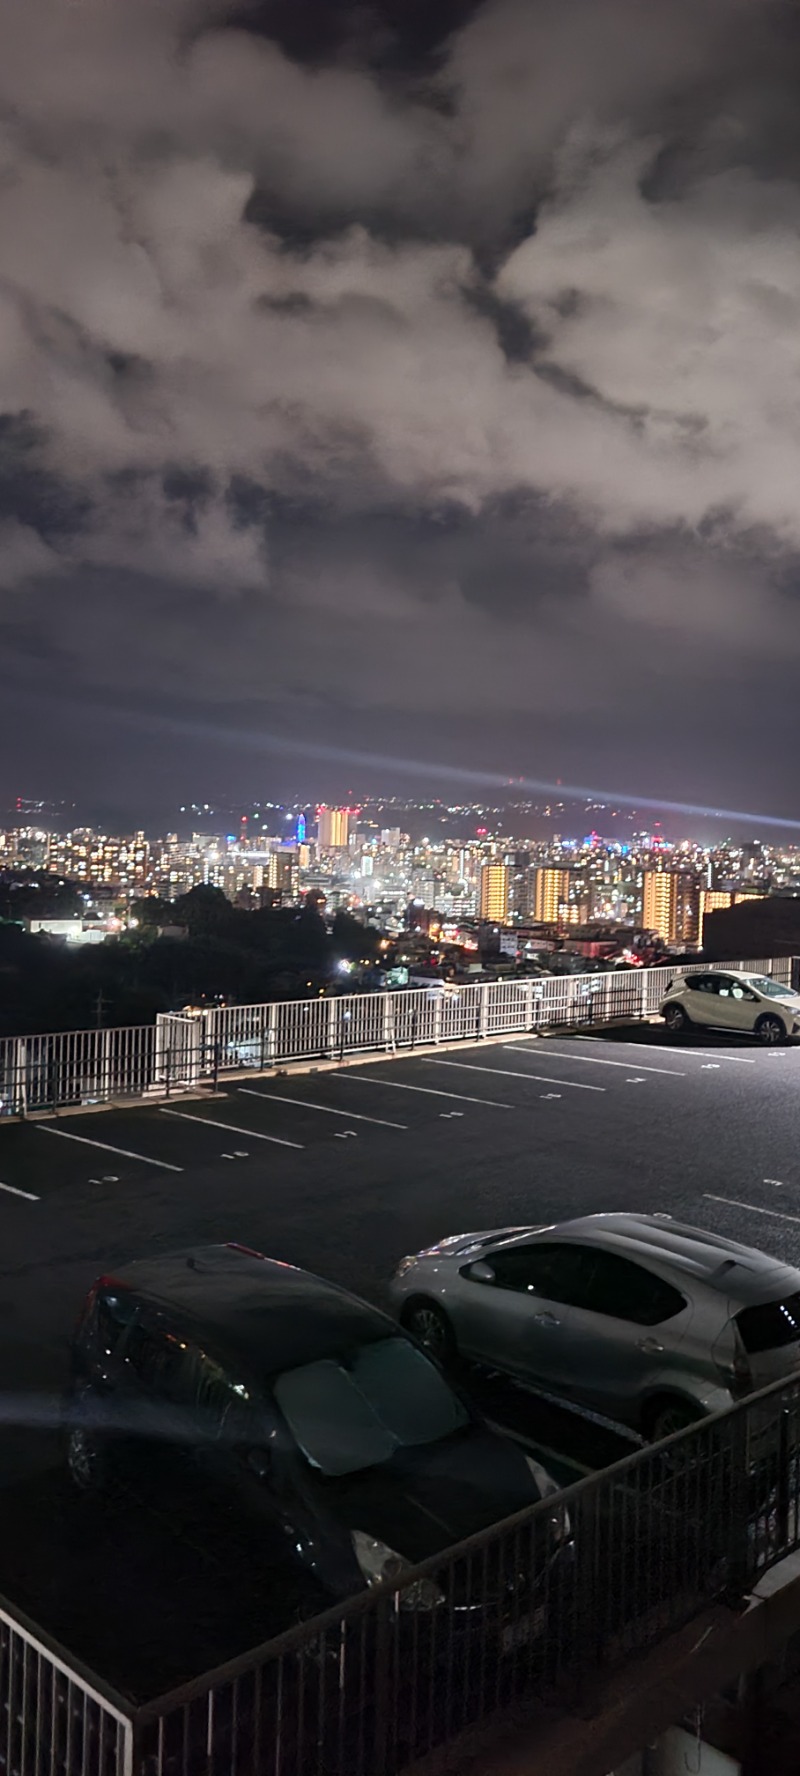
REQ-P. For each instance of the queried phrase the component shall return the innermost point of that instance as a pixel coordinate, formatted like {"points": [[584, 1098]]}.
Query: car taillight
{"points": [[87, 1307]]}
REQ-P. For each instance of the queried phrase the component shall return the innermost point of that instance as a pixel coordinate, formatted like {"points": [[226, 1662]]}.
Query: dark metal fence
{"points": [[77, 1068], [532, 1609], [529, 1609]]}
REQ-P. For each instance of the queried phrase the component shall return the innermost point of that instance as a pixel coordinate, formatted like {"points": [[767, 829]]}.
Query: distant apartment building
{"points": [[671, 905], [551, 896], [712, 900], [333, 828], [94, 858], [494, 890], [520, 883], [660, 903], [283, 874]]}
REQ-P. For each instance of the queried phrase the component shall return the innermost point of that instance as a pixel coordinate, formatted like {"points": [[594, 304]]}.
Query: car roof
{"points": [[267, 1314], [739, 1272]]}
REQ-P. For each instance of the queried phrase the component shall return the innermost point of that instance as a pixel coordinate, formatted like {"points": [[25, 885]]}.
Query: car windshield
{"points": [[770, 988], [353, 1412]]}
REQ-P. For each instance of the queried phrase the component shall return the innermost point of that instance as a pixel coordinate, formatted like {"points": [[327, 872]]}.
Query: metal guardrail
{"points": [[177, 1053], [527, 1611], [54, 1716]]}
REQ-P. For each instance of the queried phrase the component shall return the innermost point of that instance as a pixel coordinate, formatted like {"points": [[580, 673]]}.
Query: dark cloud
{"points": [[424, 373]]}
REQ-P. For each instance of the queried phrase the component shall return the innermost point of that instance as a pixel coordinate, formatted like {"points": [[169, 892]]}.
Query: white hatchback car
{"points": [[719, 1000]]}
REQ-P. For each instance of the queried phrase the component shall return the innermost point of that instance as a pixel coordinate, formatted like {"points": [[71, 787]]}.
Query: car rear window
{"points": [[356, 1412], [770, 1324]]}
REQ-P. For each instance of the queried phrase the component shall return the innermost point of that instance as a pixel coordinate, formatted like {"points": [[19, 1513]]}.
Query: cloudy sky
{"points": [[412, 378]]}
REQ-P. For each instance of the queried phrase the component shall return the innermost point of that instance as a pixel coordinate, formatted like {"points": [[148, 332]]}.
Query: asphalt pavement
{"points": [[344, 1171]]}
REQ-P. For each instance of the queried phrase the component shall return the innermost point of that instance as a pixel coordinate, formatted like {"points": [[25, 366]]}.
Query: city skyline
{"points": [[414, 382]]}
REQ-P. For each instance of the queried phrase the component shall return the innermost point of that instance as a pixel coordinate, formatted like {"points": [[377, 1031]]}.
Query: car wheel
{"points": [[432, 1327], [770, 1029], [86, 1461], [668, 1415], [675, 1019]]}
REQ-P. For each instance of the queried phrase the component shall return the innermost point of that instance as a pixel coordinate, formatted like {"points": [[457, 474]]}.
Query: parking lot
{"points": [[344, 1171]]}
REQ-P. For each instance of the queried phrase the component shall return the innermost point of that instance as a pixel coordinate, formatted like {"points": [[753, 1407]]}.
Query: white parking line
{"points": [[13, 1191], [686, 1054], [429, 1091], [590, 1060], [752, 1208], [718, 1054], [248, 1091], [105, 1146], [504, 1073], [230, 1129]]}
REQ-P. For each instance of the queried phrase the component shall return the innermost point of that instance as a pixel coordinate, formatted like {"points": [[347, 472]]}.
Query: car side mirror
{"points": [[480, 1272], [259, 1463]]}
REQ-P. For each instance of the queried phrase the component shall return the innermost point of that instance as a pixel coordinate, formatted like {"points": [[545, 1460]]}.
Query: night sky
{"points": [[410, 379]]}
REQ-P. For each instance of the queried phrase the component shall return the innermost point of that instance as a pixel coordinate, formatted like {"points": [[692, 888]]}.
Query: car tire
{"points": [[771, 1030], [668, 1414], [85, 1451], [431, 1326], [676, 1020], [87, 1463]]}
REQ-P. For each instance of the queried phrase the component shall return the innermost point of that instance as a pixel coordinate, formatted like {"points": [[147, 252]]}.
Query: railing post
{"points": [[483, 1023], [437, 1017], [104, 1079], [272, 1035], [739, 1556], [783, 1488], [388, 1023], [21, 1074], [383, 1625], [331, 1044], [529, 1005]]}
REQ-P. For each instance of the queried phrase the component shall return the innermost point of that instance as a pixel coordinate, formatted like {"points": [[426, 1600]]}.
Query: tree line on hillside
{"points": [[227, 953]]}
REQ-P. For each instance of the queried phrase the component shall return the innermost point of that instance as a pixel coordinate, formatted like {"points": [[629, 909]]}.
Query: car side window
{"points": [[625, 1291], [551, 1271], [727, 988], [222, 1400], [156, 1358], [703, 983], [114, 1313]]}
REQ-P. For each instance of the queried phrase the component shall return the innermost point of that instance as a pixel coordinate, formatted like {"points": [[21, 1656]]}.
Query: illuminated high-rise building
{"points": [[300, 833], [712, 900], [495, 880], [333, 828], [283, 874], [660, 903], [551, 897]]}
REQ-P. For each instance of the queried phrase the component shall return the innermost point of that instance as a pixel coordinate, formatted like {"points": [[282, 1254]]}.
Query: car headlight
{"points": [[404, 1265], [378, 1562], [560, 1525]]}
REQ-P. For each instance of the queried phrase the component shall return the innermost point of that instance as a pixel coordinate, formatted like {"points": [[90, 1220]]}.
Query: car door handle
{"points": [[651, 1345], [545, 1320]]}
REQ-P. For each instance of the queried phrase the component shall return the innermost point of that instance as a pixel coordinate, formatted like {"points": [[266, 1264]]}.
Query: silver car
{"points": [[719, 1000], [642, 1319]]}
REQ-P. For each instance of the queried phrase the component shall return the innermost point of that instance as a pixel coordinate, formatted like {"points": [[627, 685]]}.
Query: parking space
{"points": [[344, 1171]]}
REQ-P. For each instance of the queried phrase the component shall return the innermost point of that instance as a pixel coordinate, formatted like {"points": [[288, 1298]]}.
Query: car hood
{"points": [[424, 1500]]}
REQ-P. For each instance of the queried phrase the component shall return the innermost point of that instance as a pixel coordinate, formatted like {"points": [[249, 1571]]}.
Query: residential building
{"points": [[551, 896], [495, 879]]}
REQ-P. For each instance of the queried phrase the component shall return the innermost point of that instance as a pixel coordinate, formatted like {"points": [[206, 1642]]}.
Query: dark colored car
{"points": [[309, 1411]]}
